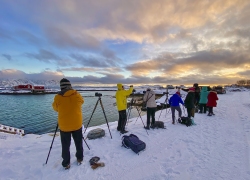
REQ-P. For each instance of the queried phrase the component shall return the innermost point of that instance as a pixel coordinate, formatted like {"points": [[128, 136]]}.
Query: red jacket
{"points": [[212, 98]]}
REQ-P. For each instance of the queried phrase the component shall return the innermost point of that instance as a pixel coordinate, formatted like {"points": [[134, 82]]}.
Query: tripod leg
{"points": [[51, 143], [141, 118], [91, 115], [105, 116], [129, 113], [85, 142], [129, 109]]}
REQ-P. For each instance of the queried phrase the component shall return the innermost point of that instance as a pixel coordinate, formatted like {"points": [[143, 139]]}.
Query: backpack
{"points": [[133, 142], [158, 124], [185, 120], [96, 133]]}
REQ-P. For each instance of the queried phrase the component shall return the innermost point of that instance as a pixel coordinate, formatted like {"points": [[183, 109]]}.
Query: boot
{"points": [[147, 127], [209, 114], [123, 131]]}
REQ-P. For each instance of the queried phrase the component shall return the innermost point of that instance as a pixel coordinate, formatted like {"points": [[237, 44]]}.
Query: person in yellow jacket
{"points": [[68, 103], [121, 102]]}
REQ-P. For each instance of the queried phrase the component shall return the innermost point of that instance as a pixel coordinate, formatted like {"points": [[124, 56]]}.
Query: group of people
{"points": [[68, 104], [195, 98]]}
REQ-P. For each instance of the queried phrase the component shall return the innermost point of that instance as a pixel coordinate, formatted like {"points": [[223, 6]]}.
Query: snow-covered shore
{"points": [[218, 147]]}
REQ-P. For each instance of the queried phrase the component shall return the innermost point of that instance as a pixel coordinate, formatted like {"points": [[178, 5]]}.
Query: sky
{"points": [[216, 148], [131, 42]]}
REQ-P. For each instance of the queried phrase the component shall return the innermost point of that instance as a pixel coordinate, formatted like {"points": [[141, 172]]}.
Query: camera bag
{"points": [[186, 121], [133, 142], [158, 124], [96, 133]]}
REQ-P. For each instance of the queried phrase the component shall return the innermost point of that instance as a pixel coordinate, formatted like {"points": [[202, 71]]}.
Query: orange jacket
{"points": [[69, 108]]}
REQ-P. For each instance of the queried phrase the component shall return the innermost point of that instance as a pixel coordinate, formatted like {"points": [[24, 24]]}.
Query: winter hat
{"points": [[64, 83]]}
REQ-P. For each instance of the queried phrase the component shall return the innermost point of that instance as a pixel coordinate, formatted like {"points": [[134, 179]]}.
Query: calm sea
{"points": [[34, 113]]}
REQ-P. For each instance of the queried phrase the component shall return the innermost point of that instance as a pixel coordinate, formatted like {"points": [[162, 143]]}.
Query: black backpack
{"points": [[186, 121], [133, 142], [158, 124]]}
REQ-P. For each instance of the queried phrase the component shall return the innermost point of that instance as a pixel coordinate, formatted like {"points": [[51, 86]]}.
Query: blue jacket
{"points": [[175, 100], [204, 94]]}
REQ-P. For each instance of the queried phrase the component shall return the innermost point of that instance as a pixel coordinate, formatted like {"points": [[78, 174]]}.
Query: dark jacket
{"points": [[212, 98], [175, 100], [190, 99]]}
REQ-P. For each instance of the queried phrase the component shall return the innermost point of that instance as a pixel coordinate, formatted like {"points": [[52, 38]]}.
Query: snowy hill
{"points": [[7, 83]]}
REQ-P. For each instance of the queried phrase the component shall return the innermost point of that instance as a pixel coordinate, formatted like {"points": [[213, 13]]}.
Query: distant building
{"points": [[29, 87]]}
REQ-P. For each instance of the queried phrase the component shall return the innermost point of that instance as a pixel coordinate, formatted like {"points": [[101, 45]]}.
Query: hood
{"points": [[204, 88], [119, 86], [67, 92]]}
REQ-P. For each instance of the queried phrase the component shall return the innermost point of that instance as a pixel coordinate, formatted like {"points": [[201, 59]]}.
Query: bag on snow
{"points": [[96, 133], [186, 121], [158, 124], [133, 142]]}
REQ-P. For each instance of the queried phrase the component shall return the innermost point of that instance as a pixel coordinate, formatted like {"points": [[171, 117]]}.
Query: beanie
{"points": [[64, 83]]}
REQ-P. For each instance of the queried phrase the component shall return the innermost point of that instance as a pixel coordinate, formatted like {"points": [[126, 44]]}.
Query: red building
{"points": [[29, 87], [38, 88], [23, 87]]}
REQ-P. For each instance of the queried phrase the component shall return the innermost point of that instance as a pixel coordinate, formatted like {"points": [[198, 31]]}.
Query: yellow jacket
{"points": [[121, 97], [69, 108]]}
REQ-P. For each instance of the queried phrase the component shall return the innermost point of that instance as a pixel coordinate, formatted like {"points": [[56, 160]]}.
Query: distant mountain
{"points": [[14, 82]]}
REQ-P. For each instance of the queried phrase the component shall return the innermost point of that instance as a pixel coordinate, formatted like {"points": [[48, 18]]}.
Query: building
{"points": [[29, 87]]}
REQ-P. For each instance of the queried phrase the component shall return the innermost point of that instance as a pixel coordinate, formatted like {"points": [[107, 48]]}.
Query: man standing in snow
{"points": [[68, 103], [189, 102], [174, 102], [149, 98], [121, 102]]}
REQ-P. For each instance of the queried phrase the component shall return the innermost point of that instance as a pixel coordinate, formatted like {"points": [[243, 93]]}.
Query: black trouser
{"points": [[150, 113], [122, 120], [189, 112], [210, 110], [66, 141], [173, 108], [203, 108]]}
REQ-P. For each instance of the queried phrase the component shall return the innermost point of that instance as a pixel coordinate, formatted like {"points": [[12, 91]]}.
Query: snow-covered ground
{"points": [[217, 148]]}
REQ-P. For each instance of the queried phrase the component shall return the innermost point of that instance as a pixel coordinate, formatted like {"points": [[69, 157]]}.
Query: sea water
{"points": [[34, 113]]}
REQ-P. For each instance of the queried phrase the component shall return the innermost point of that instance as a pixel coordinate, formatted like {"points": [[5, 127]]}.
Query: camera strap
{"points": [[148, 98]]}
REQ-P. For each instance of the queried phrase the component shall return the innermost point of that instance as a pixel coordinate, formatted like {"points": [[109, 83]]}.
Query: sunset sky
{"points": [[126, 41]]}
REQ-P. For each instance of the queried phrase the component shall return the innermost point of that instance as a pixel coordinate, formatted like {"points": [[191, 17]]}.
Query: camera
{"points": [[98, 94]]}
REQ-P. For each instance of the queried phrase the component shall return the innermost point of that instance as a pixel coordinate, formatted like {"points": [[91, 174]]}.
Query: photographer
{"points": [[174, 102], [149, 99], [121, 102], [68, 103]]}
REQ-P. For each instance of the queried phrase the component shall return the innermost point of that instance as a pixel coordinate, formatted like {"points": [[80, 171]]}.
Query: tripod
{"points": [[99, 100], [53, 141], [165, 102], [129, 112]]}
